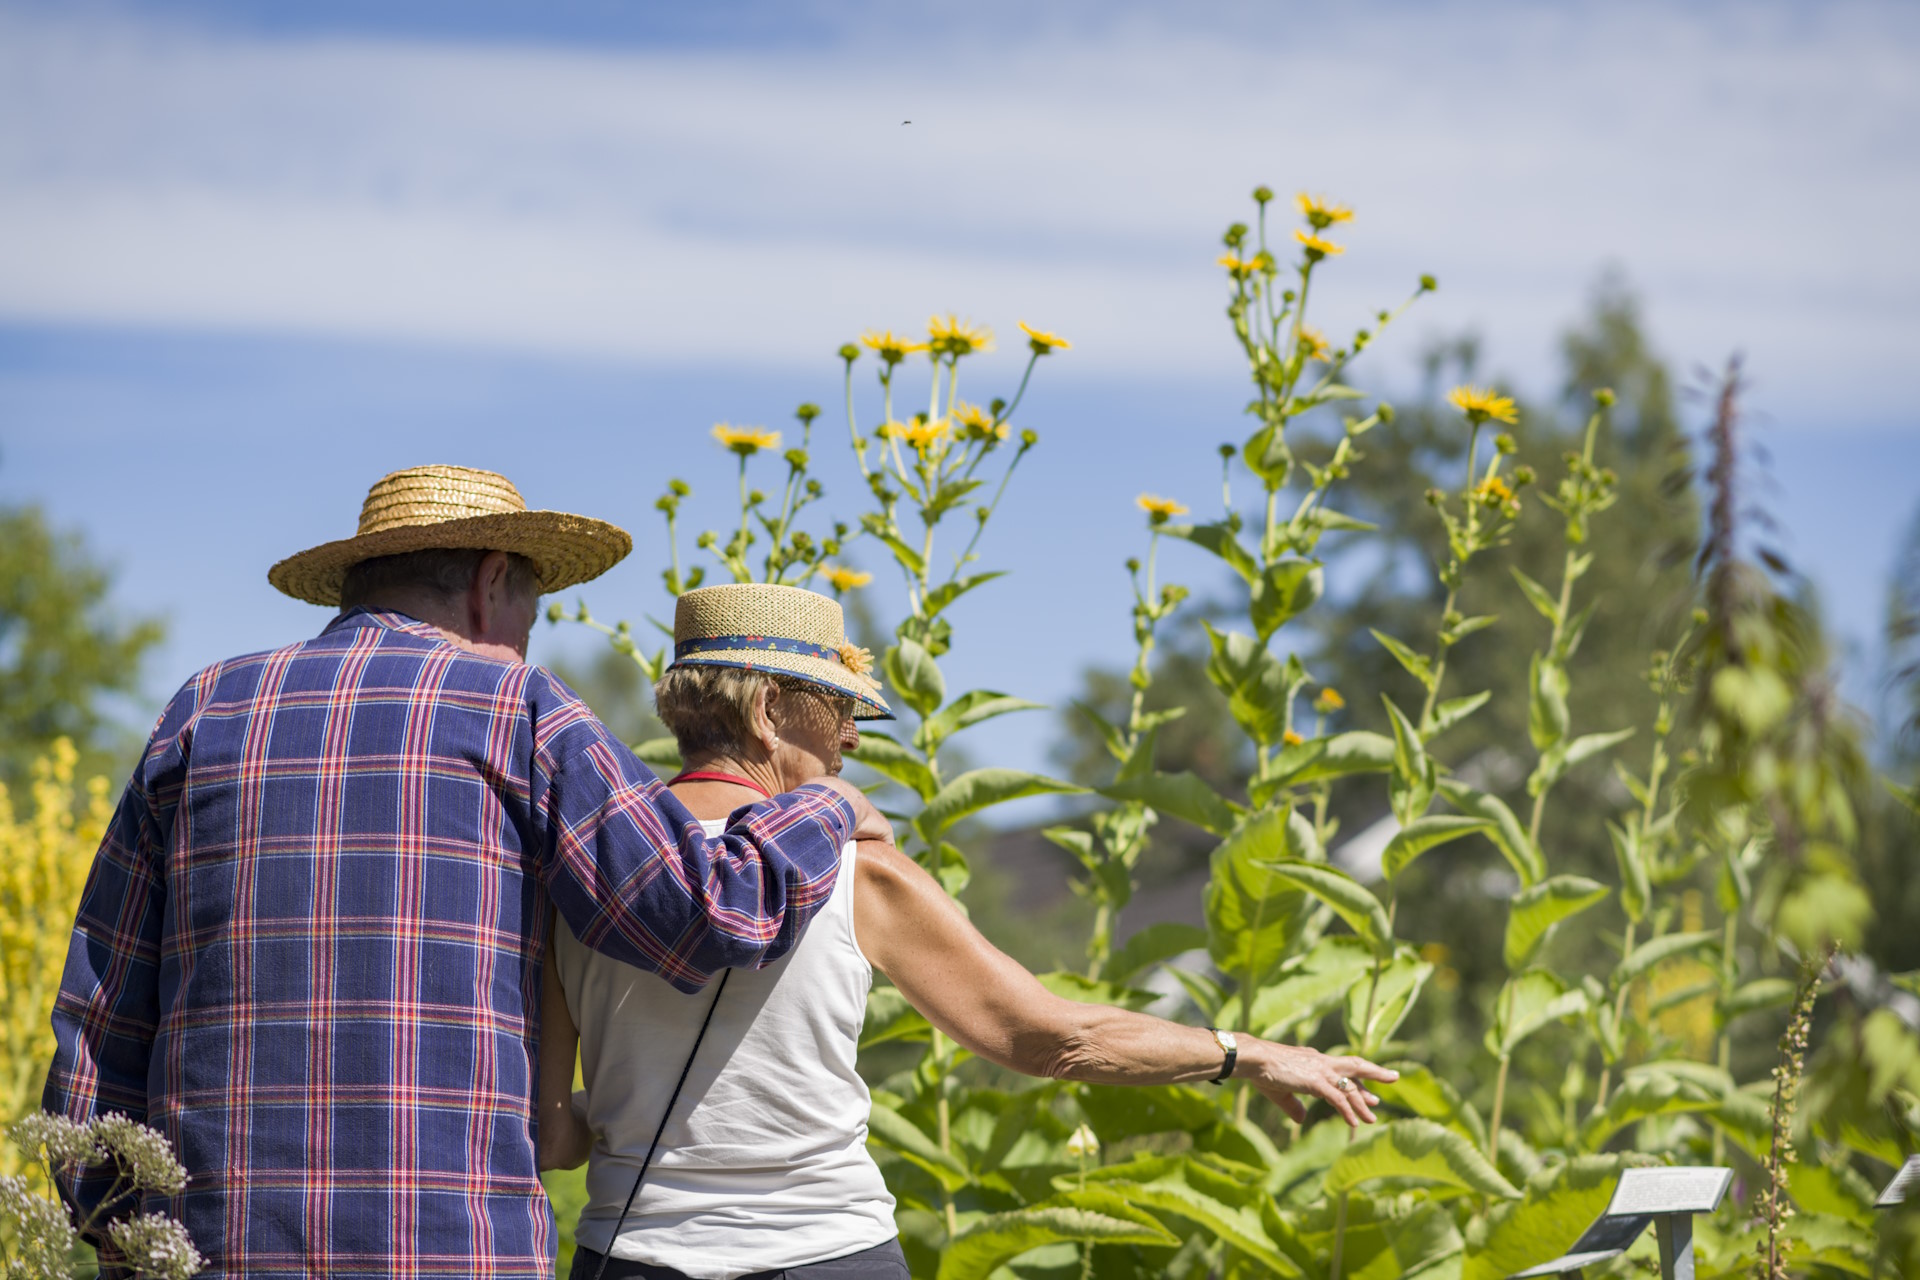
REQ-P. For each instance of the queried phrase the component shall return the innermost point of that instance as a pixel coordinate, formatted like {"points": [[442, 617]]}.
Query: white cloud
{"points": [[1749, 166]]}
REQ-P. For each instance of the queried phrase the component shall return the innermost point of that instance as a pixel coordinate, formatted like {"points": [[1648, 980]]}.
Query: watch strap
{"points": [[1230, 1048]]}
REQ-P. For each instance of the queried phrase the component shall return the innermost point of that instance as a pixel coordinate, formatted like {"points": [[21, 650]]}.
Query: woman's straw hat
{"points": [[787, 631], [424, 508]]}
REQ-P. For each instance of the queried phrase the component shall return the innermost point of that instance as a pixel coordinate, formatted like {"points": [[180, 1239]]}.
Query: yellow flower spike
{"points": [[1042, 342], [845, 579], [1328, 700], [1291, 739], [1318, 248], [956, 337], [1159, 510], [1481, 404], [1313, 344], [746, 441], [1320, 213], [890, 348]]}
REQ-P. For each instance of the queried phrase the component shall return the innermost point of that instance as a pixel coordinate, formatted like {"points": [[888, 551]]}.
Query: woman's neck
{"points": [[714, 798]]}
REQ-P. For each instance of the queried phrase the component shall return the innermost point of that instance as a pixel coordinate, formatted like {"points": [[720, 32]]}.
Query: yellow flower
{"points": [[956, 337], [1318, 248], [1043, 342], [845, 579], [1328, 699], [891, 349], [1493, 491], [1236, 267], [1480, 404], [917, 433], [746, 441], [1319, 213], [1159, 510], [1313, 343], [1291, 739], [979, 423]]}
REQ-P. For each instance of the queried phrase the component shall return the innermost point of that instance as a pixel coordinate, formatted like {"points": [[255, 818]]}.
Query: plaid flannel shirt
{"points": [[309, 949]]}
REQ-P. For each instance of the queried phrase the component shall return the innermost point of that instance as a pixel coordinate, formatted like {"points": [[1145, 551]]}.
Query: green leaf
{"points": [[1507, 834], [1416, 664], [1179, 795], [1653, 952], [970, 709], [978, 789], [1838, 1192], [1636, 892], [1398, 990], [903, 551], [1564, 755], [1310, 986], [1539, 596], [947, 592], [1537, 910], [1286, 590], [1153, 945], [1528, 1002], [1431, 1098], [1350, 900], [1257, 684], [1167, 1184], [1383, 1237], [1254, 915], [888, 1128], [891, 760], [1417, 1149], [1084, 990], [1423, 834], [659, 753], [1205, 993], [1127, 1112], [890, 1017], [1097, 1215], [1334, 757], [1761, 993], [1324, 518], [1220, 540], [1547, 702], [1557, 1206], [911, 670], [1411, 790], [1452, 711], [1656, 1089]]}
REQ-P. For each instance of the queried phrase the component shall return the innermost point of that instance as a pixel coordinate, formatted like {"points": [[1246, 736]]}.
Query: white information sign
{"points": [[1686, 1189], [1903, 1181]]}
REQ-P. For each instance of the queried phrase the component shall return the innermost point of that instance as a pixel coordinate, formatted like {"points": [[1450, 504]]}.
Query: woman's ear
{"points": [[765, 732]]}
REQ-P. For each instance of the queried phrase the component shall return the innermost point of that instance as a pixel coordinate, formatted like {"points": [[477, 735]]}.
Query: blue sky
{"points": [[254, 255]]}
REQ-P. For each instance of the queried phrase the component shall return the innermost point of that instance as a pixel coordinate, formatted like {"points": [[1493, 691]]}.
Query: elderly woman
{"points": [[762, 1167]]}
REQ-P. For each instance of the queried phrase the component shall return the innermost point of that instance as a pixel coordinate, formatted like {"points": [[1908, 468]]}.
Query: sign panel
{"points": [[1903, 1181], [1684, 1189]]}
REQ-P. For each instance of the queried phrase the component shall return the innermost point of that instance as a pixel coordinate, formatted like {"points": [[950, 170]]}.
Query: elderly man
{"points": [[309, 950]]}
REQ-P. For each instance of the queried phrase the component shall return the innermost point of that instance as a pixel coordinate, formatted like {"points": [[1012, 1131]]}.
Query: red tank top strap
{"points": [[715, 775]]}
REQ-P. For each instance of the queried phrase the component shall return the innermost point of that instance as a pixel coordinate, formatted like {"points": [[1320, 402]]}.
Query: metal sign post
{"points": [[1896, 1191], [1667, 1199]]}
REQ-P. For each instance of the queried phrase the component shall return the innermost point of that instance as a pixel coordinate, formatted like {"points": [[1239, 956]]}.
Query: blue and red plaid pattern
{"points": [[309, 949]]}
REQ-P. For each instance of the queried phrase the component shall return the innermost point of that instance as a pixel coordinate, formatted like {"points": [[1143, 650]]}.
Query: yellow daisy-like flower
{"points": [[845, 579], [1043, 342], [1328, 699], [1159, 510], [956, 337], [1320, 213], [1493, 491], [1238, 268], [1313, 344], [1481, 404], [1291, 739], [1318, 248], [891, 348], [746, 441], [979, 424], [921, 435]]}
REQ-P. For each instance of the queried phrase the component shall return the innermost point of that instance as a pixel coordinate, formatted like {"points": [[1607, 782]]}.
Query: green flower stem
{"points": [[1339, 1233], [1619, 1012], [853, 424]]}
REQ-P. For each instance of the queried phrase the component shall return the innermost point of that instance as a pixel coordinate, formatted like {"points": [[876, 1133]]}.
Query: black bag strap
{"points": [[600, 1271]]}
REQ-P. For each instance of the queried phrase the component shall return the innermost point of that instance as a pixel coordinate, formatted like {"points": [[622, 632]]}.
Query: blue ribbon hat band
{"points": [[735, 644]]}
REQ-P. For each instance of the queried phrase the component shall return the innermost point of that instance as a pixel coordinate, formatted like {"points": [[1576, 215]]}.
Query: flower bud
{"points": [[1029, 438], [1236, 235], [1603, 397], [1523, 474], [1428, 284], [796, 458], [1227, 450], [995, 407], [813, 489], [1505, 442], [704, 541], [1385, 411], [554, 612], [1435, 497], [849, 352], [807, 412], [679, 488], [1262, 194]]}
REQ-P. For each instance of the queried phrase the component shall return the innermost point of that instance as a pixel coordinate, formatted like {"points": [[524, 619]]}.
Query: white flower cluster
{"points": [[66, 1144], [143, 1154], [155, 1245], [39, 1238]]}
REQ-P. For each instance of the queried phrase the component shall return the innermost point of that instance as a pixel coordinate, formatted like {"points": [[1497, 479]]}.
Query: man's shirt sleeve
{"points": [[636, 877], [108, 1007]]}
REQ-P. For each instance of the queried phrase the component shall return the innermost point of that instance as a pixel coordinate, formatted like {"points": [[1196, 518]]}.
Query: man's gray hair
{"points": [[442, 572]]}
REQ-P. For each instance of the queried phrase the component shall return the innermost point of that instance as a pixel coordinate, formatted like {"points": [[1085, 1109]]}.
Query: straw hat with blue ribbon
{"points": [[784, 631]]}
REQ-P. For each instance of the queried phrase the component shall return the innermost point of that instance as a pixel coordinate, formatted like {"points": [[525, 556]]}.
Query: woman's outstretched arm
{"points": [[562, 1137], [972, 991]]}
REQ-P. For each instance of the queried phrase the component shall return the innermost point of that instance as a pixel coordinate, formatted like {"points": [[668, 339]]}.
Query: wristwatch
{"points": [[1230, 1047]]}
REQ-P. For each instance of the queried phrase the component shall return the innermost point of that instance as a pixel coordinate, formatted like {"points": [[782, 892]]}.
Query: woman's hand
{"points": [[1283, 1072]]}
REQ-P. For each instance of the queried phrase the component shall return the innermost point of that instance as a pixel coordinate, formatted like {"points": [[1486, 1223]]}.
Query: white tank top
{"points": [[764, 1163]]}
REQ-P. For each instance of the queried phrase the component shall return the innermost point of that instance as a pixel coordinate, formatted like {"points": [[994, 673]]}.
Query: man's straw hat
{"points": [[787, 631], [425, 508]]}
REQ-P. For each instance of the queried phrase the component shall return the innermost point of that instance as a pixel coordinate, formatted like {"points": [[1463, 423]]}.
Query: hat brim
{"points": [[867, 703], [565, 550]]}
